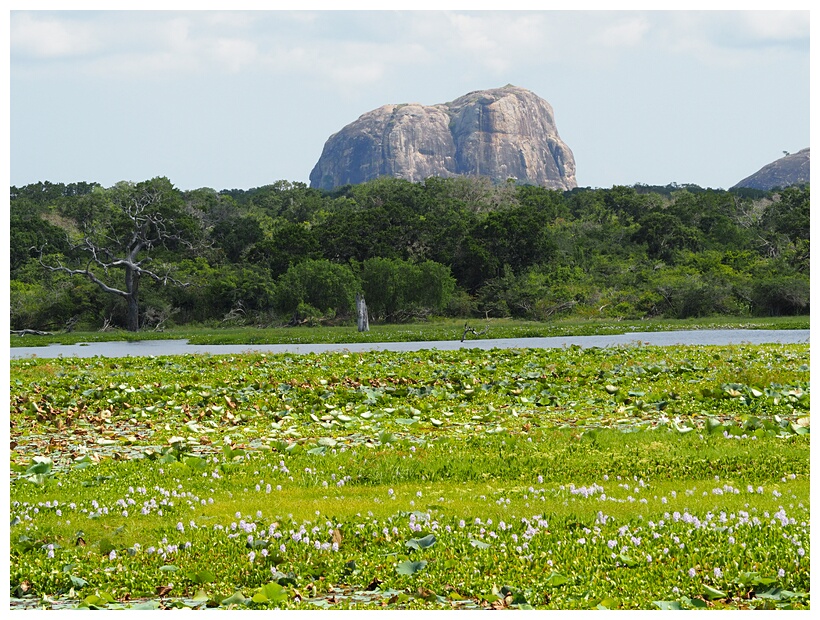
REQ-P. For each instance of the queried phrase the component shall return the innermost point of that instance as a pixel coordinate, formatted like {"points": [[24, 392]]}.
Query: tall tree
{"points": [[137, 222]]}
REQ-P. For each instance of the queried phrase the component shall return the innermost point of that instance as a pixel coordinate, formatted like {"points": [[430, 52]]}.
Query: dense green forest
{"points": [[148, 255]]}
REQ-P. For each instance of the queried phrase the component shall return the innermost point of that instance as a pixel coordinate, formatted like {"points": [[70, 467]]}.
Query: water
{"points": [[146, 348]]}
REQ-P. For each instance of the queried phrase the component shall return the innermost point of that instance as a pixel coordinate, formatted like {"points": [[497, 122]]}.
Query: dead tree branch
{"points": [[470, 330]]}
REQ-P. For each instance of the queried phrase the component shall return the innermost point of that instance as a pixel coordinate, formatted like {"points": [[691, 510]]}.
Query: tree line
{"points": [[147, 255]]}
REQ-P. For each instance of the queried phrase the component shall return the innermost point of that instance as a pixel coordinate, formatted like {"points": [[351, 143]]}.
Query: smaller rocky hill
{"points": [[792, 169]]}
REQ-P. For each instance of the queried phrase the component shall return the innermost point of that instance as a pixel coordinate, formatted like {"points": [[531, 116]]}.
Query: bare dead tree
{"points": [[236, 315], [31, 332], [470, 330], [126, 245]]}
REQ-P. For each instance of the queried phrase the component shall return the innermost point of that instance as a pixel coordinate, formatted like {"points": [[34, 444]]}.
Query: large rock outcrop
{"points": [[791, 169], [498, 133]]}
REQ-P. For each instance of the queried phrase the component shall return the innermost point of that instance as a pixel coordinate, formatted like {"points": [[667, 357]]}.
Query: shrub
{"points": [[784, 295], [327, 287]]}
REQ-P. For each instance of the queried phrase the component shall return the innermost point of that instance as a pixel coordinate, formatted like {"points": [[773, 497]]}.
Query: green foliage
{"points": [[236, 234], [783, 295], [326, 286], [396, 289], [289, 245], [460, 246]]}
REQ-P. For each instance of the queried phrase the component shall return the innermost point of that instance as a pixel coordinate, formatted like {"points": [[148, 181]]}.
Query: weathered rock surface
{"points": [[789, 170], [498, 133]]}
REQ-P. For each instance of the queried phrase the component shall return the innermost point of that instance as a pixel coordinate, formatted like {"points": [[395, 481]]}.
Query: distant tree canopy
{"points": [[286, 253]]}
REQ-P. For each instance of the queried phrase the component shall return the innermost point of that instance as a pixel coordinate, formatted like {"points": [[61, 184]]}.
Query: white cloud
{"points": [[776, 26], [234, 54], [732, 39], [349, 47], [623, 31], [498, 40], [348, 75], [45, 37]]}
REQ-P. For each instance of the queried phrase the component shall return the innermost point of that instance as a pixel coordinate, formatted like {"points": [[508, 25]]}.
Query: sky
{"points": [[240, 99]]}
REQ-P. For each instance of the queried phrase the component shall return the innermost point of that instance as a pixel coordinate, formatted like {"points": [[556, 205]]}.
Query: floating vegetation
{"points": [[623, 478]]}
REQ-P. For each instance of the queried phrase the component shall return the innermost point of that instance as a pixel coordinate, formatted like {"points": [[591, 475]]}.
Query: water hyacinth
{"points": [[587, 535]]}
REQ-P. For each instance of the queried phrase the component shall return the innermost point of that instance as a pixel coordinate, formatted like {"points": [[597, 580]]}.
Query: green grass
{"points": [[443, 329], [630, 478]]}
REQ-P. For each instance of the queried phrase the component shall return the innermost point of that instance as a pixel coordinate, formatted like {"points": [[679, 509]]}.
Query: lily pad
{"points": [[421, 543], [410, 567]]}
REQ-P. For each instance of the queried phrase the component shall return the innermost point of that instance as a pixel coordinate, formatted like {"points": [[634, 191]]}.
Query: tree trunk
{"points": [[132, 285], [361, 314]]}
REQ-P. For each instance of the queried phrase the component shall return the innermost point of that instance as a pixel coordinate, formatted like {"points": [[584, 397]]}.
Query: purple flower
{"points": [[718, 573], [692, 572]]}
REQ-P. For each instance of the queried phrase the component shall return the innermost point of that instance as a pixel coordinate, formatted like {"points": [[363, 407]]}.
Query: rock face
{"points": [[788, 170], [498, 133]]}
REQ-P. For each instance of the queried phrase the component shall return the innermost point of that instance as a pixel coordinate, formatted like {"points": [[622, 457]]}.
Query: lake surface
{"points": [[181, 347]]}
